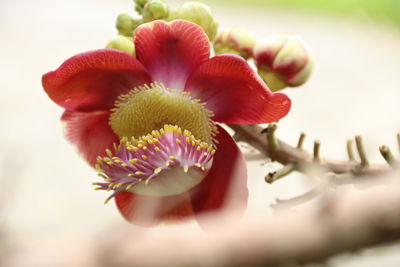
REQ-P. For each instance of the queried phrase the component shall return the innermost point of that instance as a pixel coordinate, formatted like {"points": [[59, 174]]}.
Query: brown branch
{"points": [[339, 222], [286, 154]]}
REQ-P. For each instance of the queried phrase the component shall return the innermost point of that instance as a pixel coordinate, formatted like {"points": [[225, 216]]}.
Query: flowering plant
{"points": [[148, 122]]}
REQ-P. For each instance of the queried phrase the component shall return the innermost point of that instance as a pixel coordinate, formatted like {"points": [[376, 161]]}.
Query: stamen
{"points": [[172, 167]]}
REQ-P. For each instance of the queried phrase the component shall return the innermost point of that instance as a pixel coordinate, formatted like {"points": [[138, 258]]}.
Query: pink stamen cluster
{"points": [[140, 160]]}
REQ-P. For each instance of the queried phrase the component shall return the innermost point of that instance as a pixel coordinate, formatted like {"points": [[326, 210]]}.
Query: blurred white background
{"points": [[45, 188]]}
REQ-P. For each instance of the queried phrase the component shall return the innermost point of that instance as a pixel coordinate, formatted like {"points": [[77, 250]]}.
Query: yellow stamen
{"points": [[134, 160]]}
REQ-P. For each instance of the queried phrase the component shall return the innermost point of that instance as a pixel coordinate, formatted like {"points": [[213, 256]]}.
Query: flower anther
{"points": [[166, 162]]}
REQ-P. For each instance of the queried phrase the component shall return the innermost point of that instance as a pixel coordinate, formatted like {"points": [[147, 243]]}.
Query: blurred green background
{"points": [[387, 10]]}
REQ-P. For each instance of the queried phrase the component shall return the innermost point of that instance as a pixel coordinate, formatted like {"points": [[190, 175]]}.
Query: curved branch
{"points": [[340, 222]]}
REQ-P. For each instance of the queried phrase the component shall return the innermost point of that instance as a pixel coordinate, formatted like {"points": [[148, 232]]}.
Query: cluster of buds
{"points": [[283, 60], [151, 10]]}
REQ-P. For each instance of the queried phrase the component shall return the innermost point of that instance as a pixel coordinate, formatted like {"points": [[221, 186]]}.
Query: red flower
{"points": [[108, 96]]}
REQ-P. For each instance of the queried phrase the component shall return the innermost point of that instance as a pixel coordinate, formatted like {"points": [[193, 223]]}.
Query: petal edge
{"points": [[225, 186], [235, 93], [93, 80]]}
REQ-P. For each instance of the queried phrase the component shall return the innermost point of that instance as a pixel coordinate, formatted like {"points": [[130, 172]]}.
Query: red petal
{"points": [[92, 80], [235, 93], [170, 51], [90, 132], [148, 210], [225, 187]]}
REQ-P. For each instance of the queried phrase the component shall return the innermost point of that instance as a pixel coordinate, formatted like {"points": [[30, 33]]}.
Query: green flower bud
{"points": [[139, 5], [173, 14], [155, 9], [283, 60], [126, 24], [236, 41], [122, 43], [199, 14]]}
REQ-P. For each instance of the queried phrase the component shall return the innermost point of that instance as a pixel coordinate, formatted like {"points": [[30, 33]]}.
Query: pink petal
{"points": [[90, 132], [149, 211], [170, 51], [235, 93], [225, 187], [93, 80]]}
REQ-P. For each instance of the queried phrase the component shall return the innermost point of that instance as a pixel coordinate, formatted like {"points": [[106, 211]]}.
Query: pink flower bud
{"points": [[283, 60], [236, 41]]}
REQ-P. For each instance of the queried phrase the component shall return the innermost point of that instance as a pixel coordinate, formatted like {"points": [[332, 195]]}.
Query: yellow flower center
{"points": [[147, 108]]}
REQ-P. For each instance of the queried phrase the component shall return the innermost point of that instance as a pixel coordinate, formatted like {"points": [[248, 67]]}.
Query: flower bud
{"points": [[236, 41], [122, 43], [139, 5], [126, 24], [155, 9], [199, 14], [283, 60], [173, 14]]}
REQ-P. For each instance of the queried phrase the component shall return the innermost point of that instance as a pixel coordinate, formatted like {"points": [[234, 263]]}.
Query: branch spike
{"points": [[388, 156], [398, 140], [349, 147], [272, 140], [361, 151], [280, 173], [301, 140], [317, 146]]}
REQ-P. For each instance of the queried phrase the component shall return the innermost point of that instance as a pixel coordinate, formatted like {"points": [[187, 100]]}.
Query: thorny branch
{"points": [[299, 159], [331, 172]]}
